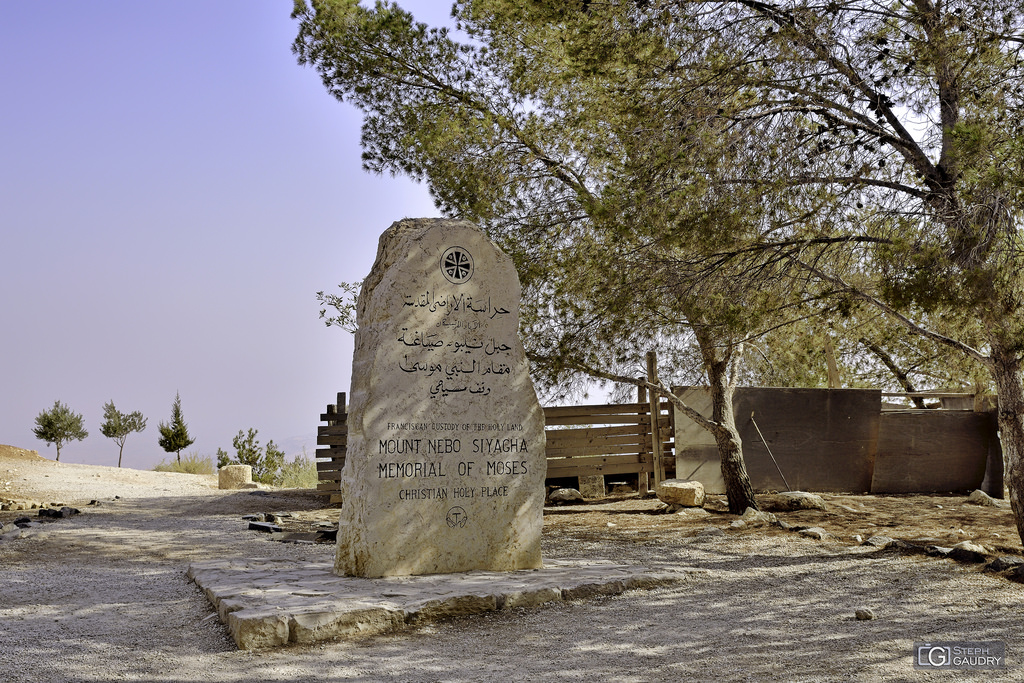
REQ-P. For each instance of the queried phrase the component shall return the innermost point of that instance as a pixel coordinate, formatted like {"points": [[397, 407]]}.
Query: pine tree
{"points": [[266, 464], [174, 437]]}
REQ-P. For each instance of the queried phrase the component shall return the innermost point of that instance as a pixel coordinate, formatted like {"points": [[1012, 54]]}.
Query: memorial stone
{"points": [[445, 465]]}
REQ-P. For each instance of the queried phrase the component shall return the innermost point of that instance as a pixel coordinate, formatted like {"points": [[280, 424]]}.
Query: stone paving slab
{"points": [[272, 602]]}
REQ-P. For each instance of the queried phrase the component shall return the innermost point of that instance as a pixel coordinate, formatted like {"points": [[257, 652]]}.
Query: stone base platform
{"points": [[272, 602]]}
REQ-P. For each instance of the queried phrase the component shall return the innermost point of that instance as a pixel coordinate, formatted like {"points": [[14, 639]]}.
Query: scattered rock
{"points": [[815, 532], [19, 505], [1016, 574], [62, 513], [979, 497], [881, 542], [1004, 562], [968, 552], [565, 496], [752, 517], [681, 492], [788, 501], [864, 614], [327, 535], [693, 513], [937, 551], [857, 538], [265, 527]]}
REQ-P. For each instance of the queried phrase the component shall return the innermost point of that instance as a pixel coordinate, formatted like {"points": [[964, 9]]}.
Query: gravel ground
{"points": [[102, 596]]}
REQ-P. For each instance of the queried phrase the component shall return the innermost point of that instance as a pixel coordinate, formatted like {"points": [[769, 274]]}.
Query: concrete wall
{"points": [[839, 440], [927, 451], [821, 439]]}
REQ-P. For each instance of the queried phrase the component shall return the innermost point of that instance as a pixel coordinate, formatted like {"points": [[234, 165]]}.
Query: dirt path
{"points": [[102, 596]]}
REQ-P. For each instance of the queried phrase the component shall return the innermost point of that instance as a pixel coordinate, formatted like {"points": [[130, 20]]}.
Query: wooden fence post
{"points": [[655, 403], [643, 478]]}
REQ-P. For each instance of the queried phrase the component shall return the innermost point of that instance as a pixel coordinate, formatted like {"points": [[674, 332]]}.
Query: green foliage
{"points": [[174, 436], [344, 304], [266, 463], [223, 459], [623, 152], [192, 463], [59, 425], [117, 426], [300, 473]]}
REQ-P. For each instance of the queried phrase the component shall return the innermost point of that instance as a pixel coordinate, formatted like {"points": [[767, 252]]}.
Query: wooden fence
{"points": [[609, 439], [587, 440], [333, 436]]}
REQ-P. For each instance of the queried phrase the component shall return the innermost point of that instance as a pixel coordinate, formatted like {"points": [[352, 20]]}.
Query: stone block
{"points": [[679, 492], [258, 628], [235, 477], [592, 486]]}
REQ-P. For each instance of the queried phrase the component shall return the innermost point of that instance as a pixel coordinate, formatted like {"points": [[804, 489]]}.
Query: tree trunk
{"points": [[720, 356], [120, 455], [730, 446], [1006, 370]]}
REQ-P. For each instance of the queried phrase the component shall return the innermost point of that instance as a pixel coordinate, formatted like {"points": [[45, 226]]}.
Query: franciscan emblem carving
{"points": [[457, 517], [457, 265]]}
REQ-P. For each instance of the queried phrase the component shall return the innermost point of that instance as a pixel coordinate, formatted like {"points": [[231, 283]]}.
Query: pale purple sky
{"points": [[174, 189]]}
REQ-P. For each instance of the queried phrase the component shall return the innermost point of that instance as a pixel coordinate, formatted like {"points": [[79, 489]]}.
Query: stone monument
{"points": [[445, 465]]}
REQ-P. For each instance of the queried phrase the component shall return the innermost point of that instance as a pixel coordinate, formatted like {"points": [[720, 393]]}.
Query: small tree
{"points": [[266, 464], [174, 437], [223, 459], [117, 426], [59, 425]]}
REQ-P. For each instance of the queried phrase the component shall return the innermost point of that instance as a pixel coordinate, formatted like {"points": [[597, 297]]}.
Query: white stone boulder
{"points": [[799, 500], [681, 492]]}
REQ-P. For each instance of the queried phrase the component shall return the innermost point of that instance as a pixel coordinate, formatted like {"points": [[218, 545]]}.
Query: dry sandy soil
{"points": [[103, 596]]}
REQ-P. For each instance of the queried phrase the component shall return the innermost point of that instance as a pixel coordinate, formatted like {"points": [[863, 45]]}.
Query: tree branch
{"points": [[842, 285]]}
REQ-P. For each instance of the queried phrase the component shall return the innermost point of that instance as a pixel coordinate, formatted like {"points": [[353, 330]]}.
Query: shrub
{"points": [[300, 473], [193, 463], [265, 463]]}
